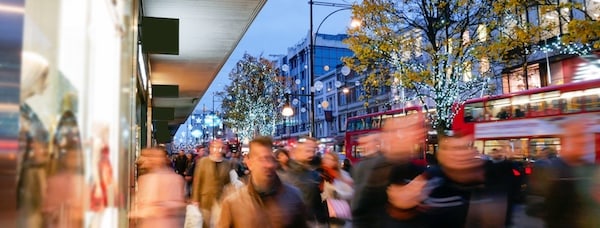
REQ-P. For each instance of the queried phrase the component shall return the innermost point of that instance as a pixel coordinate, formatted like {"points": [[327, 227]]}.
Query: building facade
{"points": [[295, 67]]}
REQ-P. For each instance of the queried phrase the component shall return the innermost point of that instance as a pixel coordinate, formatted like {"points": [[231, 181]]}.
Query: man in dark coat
{"points": [[301, 175]]}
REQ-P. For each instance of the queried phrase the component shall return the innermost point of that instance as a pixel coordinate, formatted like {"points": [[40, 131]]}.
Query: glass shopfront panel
{"points": [[77, 113]]}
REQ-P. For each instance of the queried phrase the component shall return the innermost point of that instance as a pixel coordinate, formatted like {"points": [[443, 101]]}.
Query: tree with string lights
{"points": [[252, 102], [445, 51], [429, 47]]}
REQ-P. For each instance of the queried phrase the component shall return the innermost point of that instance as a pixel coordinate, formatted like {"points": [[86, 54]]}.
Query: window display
{"points": [[76, 121]]}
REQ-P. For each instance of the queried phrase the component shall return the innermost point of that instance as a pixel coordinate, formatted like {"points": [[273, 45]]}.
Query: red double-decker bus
{"points": [[526, 122], [359, 126]]}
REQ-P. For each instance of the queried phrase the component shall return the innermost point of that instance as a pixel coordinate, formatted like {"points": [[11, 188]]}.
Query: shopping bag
{"points": [[235, 179], [339, 208], [193, 217]]}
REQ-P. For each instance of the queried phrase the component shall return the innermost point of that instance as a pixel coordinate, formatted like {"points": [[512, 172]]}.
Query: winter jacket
{"points": [[247, 207], [307, 181]]}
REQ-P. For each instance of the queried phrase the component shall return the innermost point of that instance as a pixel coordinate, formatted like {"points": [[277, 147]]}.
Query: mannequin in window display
{"points": [[66, 134], [104, 191], [33, 139], [32, 182], [63, 205]]}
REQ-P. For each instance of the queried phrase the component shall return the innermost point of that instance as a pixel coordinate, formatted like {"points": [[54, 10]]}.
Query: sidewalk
{"points": [[522, 220]]}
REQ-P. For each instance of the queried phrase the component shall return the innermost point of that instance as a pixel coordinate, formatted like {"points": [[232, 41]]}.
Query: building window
{"points": [[514, 80], [484, 65], [467, 71], [482, 33]]}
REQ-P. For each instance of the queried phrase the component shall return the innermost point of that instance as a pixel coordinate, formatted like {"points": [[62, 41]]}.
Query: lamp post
{"points": [[313, 37]]}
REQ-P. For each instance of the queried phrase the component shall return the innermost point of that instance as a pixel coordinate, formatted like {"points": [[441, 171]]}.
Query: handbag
{"points": [[339, 208]]}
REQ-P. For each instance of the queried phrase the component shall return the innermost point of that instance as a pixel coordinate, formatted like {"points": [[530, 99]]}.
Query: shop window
{"points": [[474, 112], [571, 102], [515, 81]]}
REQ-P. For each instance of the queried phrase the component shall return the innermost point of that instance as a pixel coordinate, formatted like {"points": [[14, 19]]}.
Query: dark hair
{"points": [[282, 151], [261, 140]]}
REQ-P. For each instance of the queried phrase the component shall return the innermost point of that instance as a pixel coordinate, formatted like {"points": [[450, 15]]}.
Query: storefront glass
{"points": [[77, 103]]}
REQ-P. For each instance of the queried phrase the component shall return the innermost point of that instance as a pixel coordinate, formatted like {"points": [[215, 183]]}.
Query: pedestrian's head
{"points": [[189, 155], [401, 137], [497, 154], [331, 160], [151, 158], [282, 156], [216, 148], [347, 164], [370, 144], [576, 138], [305, 150], [181, 153], [260, 159]]}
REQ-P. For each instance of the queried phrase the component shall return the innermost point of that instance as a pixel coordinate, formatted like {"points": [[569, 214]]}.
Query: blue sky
{"points": [[279, 25]]}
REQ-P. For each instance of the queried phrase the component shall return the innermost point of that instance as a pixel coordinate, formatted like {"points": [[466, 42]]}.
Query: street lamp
{"points": [[287, 110], [313, 37]]}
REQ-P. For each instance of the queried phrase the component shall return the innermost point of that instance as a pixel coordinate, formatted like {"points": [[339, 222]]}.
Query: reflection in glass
{"points": [[31, 179]]}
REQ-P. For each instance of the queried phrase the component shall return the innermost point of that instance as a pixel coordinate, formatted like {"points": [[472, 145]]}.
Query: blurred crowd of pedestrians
{"points": [[390, 186]]}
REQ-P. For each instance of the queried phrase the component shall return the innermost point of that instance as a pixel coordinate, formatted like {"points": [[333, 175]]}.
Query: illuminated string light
{"points": [[252, 102]]}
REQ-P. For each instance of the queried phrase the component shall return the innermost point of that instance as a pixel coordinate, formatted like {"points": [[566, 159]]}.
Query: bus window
{"points": [[571, 102], [519, 105], [592, 103], [376, 122], [537, 105], [553, 107], [368, 124], [537, 145], [474, 112], [500, 109]]}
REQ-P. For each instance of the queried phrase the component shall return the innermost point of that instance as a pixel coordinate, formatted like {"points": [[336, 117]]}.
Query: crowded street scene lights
{"points": [[312, 51]]}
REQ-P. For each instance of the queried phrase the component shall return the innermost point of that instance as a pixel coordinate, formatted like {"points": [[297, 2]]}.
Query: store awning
{"points": [[209, 31]]}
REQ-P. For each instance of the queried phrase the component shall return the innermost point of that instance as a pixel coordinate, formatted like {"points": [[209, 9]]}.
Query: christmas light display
{"points": [[429, 52], [252, 102]]}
